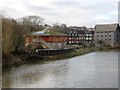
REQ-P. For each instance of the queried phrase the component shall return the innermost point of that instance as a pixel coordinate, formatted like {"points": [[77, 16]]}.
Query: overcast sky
{"points": [[71, 12]]}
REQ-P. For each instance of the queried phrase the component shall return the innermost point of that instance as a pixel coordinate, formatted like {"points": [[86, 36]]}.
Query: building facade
{"points": [[74, 37], [107, 34], [81, 36], [46, 41], [89, 37]]}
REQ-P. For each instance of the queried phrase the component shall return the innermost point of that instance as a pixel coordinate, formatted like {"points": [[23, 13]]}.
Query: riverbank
{"points": [[79, 51], [19, 59]]}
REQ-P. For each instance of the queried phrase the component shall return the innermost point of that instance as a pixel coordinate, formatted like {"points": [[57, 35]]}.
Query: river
{"points": [[93, 70]]}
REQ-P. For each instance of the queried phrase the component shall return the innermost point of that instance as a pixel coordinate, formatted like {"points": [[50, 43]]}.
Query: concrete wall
{"points": [[58, 45]]}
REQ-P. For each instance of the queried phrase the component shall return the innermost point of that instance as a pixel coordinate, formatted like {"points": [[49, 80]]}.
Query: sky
{"points": [[70, 12]]}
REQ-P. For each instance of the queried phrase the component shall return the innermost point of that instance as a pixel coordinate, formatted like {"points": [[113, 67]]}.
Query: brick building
{"points": [[80, 36]]}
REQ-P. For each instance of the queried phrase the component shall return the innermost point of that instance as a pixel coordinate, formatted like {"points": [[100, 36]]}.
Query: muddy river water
{"points": [[93, 70]]}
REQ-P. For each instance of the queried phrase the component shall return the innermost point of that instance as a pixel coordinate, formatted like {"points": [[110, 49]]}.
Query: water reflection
{"points": [[98, 69]]}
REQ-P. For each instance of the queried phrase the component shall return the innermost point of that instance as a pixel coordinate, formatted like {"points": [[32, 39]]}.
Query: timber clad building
{"points": [[108, 34], [46, 41]]}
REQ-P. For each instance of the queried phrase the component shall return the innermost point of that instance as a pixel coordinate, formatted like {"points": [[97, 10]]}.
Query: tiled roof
{"points": [[106, 27]]}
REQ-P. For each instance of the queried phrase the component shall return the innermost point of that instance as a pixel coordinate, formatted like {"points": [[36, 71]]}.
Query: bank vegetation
{"points": [[14, 31], [13, 40]]}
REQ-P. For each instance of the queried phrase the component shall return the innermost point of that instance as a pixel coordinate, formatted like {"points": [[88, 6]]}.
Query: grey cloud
{"points": [[66, 4], [73, 12], [63, 12], [35, 7]]}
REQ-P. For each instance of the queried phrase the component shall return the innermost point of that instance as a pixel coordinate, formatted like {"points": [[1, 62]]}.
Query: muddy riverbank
{"points": [[22, 58]]}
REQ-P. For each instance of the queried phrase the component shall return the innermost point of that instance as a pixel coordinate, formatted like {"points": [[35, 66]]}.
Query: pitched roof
{"points": [[106, 27]]}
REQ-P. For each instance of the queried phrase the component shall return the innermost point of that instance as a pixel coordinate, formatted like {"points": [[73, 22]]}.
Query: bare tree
{"points": [[32, 23], [60, 28]]}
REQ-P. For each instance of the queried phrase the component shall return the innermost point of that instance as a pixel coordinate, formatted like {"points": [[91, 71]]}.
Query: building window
{"points": [[109, 33], [70, 42], [90, 38]]}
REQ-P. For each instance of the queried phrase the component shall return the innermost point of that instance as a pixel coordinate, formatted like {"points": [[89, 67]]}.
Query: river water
{"points": [[93, 70]]}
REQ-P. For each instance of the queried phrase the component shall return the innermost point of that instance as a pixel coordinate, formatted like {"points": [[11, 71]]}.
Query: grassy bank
{"points": [[19, 59]]}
